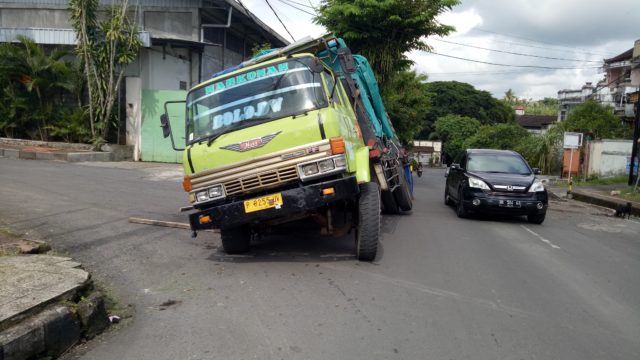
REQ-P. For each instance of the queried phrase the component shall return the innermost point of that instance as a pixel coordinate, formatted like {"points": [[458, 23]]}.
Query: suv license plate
{"points": [[262, 203], [509, 203]]}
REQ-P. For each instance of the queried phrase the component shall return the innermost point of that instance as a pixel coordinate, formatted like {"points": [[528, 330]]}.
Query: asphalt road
{"points": [[441, 288]]}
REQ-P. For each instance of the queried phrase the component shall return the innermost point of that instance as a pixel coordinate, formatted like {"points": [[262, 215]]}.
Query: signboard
{"points": [[572, 140]]}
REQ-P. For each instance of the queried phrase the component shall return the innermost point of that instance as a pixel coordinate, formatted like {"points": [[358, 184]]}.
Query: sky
{"points": [[577, 34]]}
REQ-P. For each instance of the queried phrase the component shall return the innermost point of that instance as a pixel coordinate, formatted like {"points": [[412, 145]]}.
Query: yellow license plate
{"points": [[262, 203]]}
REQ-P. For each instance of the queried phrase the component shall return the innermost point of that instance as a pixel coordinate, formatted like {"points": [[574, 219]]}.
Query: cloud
{"points": [[571, 29]]}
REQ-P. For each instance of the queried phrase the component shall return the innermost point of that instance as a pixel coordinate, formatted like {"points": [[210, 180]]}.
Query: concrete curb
{"points": [[51, 332], [50, 305], [70, 152], [601, 200]]}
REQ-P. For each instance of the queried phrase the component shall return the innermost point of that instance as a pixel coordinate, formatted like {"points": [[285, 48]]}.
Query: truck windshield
{"points": [[260, 94]]}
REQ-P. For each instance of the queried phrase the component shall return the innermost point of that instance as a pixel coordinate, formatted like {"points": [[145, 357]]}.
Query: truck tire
{"points": [[389, 202], [402, 193], [236, 240], [368, 229]]}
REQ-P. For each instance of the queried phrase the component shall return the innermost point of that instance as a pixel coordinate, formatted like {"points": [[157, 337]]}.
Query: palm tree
{"points": [[510, 97], [44, 77]]}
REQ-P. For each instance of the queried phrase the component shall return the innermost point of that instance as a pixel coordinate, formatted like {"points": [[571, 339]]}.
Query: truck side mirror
{"points": [[536, 171], [165, 125]]}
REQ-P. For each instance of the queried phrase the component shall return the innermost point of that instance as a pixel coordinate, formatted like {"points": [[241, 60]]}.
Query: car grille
{"points": [[514, 189], [261, 180]]}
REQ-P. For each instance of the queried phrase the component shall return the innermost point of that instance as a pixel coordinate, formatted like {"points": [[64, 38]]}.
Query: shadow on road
{"points": [[295, 242]]}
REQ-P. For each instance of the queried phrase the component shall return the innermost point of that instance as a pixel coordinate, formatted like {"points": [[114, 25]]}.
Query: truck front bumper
{"points": [[294, 201]]}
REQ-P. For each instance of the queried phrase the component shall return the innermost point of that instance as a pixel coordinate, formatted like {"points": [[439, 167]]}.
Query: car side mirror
{"points": [[455, 166], [165, 125], [536, 171]]}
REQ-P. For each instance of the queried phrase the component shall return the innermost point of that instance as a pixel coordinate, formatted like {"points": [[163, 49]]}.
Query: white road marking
{"points": [[541, 238]]}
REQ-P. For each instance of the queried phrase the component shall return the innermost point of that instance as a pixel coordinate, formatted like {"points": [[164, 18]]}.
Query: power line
{"points": [[278, 17], [498, 72], [515, 53], [511, 65], [540, 42], [297, 8], [301, 4]]}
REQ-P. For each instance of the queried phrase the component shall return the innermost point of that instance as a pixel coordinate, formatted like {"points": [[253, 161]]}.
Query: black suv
{"points": [[495, 181]]}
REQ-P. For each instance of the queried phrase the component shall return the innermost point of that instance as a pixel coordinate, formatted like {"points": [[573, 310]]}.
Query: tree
{"points": [[34, 83], [452, 97], [454, 130], [498, 136], [106, 47], [384, 31], [596, 118], [510, 97], [543, 151], [407, 104]]}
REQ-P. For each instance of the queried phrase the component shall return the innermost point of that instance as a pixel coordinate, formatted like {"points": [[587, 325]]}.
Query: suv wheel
{"points": [[536, 218], [460, 210]]}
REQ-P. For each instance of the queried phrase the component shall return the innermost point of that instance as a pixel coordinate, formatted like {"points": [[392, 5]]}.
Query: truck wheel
{"points": [[236, 240], [389, 202], [368, 229], [402, 193]]}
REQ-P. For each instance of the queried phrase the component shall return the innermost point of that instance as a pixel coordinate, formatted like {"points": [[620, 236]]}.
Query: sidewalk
{"points": [[597, 195], [47, 303], [41, 150]]}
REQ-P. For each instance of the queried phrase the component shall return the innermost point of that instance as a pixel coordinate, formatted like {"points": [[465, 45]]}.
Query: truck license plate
{"points": [[262, 203], [509, 203]]}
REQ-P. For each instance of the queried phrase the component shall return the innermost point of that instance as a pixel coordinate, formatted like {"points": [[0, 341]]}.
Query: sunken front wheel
{"points": [[236, 240], [368, 227]]}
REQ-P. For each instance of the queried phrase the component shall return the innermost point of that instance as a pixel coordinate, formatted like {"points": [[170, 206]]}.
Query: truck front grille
{"points": [[261, 180]]}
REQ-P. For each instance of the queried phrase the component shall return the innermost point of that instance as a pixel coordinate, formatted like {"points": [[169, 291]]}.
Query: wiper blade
{"points": [[236, 126]]}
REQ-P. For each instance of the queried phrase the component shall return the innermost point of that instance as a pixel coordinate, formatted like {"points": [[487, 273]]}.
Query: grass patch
{"points": [[628, 194], [622, 179]]}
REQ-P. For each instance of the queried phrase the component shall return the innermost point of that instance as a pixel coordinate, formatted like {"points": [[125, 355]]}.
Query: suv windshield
{"points": [[497, 163], [257, 95]]}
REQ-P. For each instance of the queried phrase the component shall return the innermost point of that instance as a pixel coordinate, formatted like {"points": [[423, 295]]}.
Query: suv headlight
{"points": [[478, 184], [536, 186]]}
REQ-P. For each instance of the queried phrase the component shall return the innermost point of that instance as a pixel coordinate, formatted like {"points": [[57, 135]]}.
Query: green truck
{"points": [[295, 132]]}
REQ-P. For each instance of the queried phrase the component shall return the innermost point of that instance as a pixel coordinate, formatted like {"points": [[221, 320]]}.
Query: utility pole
{"points": [[636, 134]]}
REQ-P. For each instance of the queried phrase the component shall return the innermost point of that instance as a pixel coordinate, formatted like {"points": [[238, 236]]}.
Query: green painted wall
{"points": [[153, 146]]}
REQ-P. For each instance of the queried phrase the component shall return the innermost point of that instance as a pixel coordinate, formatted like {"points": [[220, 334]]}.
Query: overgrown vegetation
{"points": [[106, 47], [50, 94], [541, 151], [38, 93], [384, 32]]}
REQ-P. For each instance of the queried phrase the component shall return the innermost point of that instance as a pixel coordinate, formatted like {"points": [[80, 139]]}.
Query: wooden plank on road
{"points": [[171, 224]]}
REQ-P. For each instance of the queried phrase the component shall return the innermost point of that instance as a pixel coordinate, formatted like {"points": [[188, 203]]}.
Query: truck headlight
{"points": [[215, 192], [326, 165], [202, 196], [211, 193], [310, 169], [478, 184], [322, 167]]}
